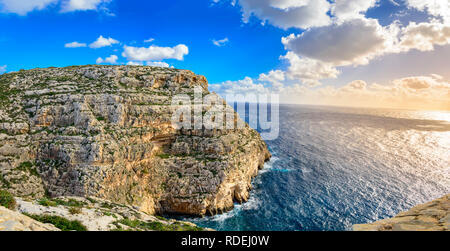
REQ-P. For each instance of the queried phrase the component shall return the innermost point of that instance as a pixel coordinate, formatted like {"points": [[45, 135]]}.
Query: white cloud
{"points": [[307, 70], [2, 69], [424, 36], [103, 42], [316, 53], [272, 76], [349, 9], [220, 42], [135, 63], [288, 13], [109, 60], [302, 14], [351, 42], [417, 92], [437, 8], [82, 5], [75, 45], [158, 64], [155, 53], [420, 83], [22, 7], [149, 40], [245, 86]]}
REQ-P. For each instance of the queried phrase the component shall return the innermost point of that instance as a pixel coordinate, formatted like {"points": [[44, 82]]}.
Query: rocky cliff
{"points": [[432, 216], [106, 132]]}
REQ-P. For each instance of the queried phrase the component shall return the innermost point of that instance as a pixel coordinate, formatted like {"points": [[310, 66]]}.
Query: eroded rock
{"points": [[106, 132]]}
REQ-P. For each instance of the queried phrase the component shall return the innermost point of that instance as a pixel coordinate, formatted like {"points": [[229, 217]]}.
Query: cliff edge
{"points": [[432, 216], [106, 132]]}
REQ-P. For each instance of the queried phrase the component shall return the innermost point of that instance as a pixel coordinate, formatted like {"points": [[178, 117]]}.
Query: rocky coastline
{"points": [[106, 132]]}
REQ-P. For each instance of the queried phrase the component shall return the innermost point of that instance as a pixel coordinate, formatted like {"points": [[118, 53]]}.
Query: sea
{"points": [[333, 167]]}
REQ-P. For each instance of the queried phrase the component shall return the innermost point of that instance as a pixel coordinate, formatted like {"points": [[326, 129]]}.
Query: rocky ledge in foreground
{"points": [[432, 216], [83, 214], [106, 132]]}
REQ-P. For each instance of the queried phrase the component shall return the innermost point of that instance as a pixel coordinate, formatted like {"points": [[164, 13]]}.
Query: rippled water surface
{"points": [[335, 167]]}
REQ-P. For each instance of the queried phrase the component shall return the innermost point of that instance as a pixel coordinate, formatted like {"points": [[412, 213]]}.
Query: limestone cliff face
{"points": [[431, 216], [106, 131]]}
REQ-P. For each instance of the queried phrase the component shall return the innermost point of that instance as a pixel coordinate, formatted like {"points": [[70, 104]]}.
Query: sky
{"points": [[363, 53]]}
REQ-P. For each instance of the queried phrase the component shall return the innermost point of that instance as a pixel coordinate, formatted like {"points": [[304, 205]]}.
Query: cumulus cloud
{"points": [[302, 14], [82, 5], [356, 85], [109, 60], [75, 45], [2, 69], [103, 42], [135, 63], [244, 86], [420, 83], [436, 8], [155, 53], [273, 76], [351, 42], [349, 9], [220, 42], [417, 92], [22, 7], [343, 37], [288, 13], [309, 71], [316, 53], [424, 36], [158, 64], [151, 63]]}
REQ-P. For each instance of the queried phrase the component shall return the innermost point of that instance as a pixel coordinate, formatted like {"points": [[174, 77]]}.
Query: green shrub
{"points": [[60, 222], [158, 226], [56, 202], [75, 210], [164, 156], [7, 200], [47, 203], [28, 167], [70, 203]]}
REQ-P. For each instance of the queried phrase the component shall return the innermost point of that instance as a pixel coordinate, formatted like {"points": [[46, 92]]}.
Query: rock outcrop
{"points": [[432, 216], [95, 214], [106, 132], [15, 221]]}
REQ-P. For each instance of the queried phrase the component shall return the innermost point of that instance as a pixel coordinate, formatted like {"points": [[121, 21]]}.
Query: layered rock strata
{"points": [[107, 132]]}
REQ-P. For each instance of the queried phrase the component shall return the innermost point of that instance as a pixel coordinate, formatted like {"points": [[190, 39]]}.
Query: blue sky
{"points": [[38, 39], [310, 51]]}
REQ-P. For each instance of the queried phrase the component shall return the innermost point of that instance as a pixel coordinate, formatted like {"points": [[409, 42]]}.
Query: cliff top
{"points": [[431, 216], [92, 79]]}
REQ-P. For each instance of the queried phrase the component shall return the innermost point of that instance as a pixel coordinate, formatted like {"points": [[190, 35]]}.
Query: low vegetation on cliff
{"points": [[85, 214]]}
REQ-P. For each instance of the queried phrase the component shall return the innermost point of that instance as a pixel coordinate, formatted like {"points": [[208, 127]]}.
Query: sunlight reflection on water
{"points": [[335, 167]]}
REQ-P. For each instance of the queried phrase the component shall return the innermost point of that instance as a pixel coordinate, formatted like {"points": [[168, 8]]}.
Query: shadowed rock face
{"points": [[106, 131], [432, 216]]}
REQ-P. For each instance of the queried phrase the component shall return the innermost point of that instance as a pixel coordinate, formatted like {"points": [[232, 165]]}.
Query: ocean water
{"points": [[335, 167]]}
